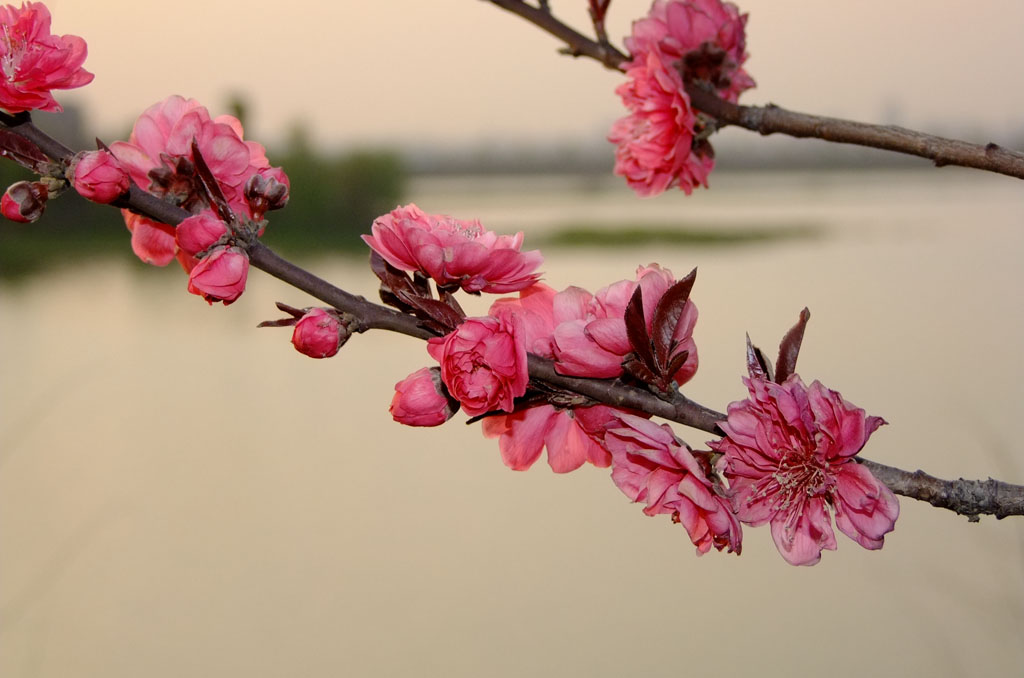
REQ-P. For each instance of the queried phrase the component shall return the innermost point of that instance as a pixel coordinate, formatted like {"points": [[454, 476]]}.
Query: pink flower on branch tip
{"points": [[319, 333], [220, 276], [158, 156], [483, 363], [788, 455], [453, 252], [98, 176], [33, 62], [651, 466], [702, 40], [422, 400], [565, 433], [662, 142]]}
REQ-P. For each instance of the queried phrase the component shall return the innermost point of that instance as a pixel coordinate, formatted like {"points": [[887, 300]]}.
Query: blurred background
{"points": [[182, 494]]}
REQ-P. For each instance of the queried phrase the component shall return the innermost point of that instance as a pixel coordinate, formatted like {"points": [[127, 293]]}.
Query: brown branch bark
{"points": [[970, 498], [772, 119], [967, 497]]}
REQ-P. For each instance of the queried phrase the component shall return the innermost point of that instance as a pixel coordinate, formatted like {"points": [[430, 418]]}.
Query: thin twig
{"points": [[578, 44], [772, 119]]}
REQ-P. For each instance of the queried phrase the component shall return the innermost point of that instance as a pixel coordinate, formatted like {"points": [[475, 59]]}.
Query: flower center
{"points": [[799, 475], [13, 49]]}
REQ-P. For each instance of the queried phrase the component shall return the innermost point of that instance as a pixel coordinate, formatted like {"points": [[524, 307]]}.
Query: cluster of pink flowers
{"points": [[33, 62], [158, 157], [787, 456], [662, 142]]}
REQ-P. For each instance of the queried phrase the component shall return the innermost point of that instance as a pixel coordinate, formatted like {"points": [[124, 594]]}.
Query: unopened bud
{"points": [[320, 333], [267, 191], [220, 276], [24, 201], [199, 232], [98, 176], [422, 400]]}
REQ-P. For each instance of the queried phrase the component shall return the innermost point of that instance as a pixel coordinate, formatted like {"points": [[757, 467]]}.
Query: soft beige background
{"points": [[417, 71], [182, 495]]}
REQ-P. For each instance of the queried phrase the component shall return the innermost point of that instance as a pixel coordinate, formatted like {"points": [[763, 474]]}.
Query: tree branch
{"points": [[967, 497], [772, 119], [578, 44]]}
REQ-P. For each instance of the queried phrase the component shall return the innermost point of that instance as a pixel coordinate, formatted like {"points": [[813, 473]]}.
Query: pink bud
{"points": [[421, 399], [24, 201], [220, 276], [319, 333], [266, 191], [98, 176], [199, 232]]}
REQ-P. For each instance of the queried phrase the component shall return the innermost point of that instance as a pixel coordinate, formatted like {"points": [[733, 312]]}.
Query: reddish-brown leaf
{"points": [[636, 330], [676, 363], [758, 365], [789, 348], [211, 188], [431, 309], [22, 151], [666, 317], [634, 367]]}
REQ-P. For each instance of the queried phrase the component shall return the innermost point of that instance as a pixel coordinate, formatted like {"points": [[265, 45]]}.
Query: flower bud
{"points": [[422, 400], [199, 232], [319, 333], [267, 191], [98, 176], [24, 201], [220, 276]]}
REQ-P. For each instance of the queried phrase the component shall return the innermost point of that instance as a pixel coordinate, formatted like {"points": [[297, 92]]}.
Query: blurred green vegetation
{"points": [[334, 198], [677, 234]]}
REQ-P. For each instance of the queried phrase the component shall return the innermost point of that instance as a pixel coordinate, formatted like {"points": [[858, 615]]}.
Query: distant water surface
{"points": [[182, 494]]}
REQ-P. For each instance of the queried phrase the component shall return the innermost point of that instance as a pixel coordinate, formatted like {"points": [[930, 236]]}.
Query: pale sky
{"points": [[464, 71]]}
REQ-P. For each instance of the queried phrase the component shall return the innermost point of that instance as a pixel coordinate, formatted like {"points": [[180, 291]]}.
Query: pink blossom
{"points": [[34, 62], [590, 338], [98, 176], [199, 232], [158, 156], [220, 276], [650, 465], [662, 143], [421, 399], [24, 201], [789, 454], [453, 252], [657, 147], [524, 434], [704, 40], [567, 434], [319, 333], [483, 363]]}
